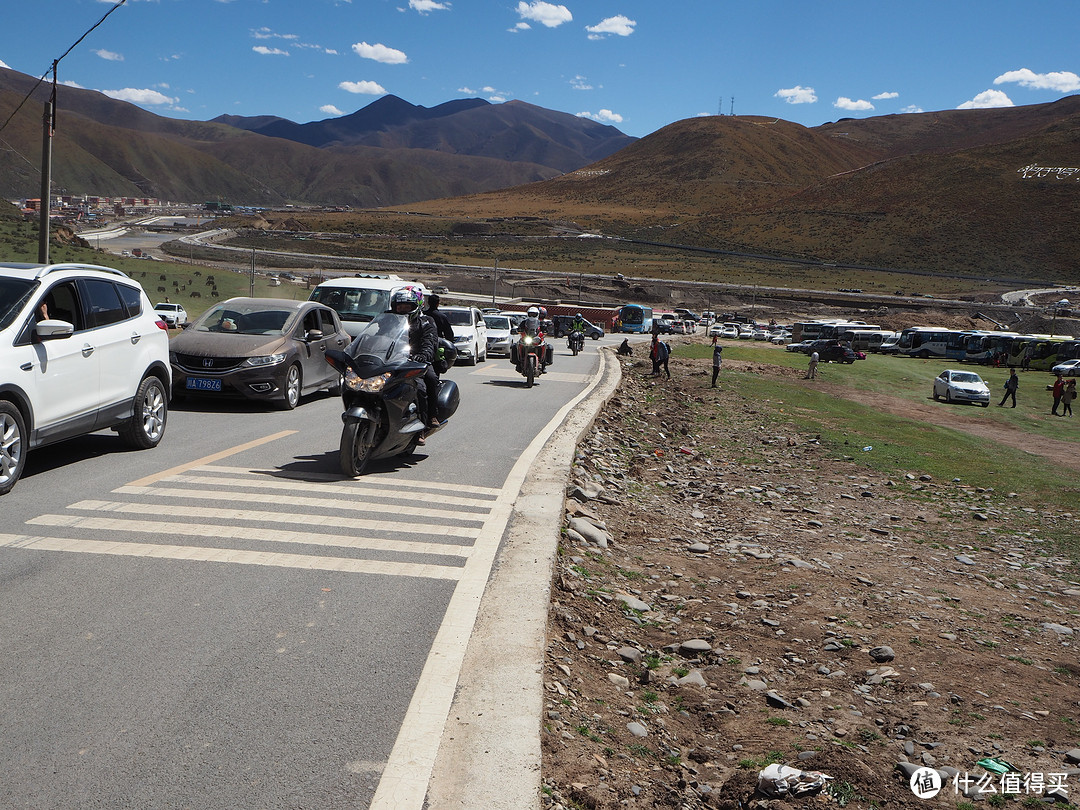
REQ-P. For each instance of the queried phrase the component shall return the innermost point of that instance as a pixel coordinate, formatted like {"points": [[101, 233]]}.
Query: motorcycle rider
{"points": [[532, 326], [423, 340], [442, 326]]}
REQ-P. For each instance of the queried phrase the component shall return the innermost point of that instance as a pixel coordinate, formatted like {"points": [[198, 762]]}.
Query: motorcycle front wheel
{"points": [[357, 447], [530, 370]]}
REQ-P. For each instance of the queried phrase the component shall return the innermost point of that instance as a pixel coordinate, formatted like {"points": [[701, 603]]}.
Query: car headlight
{"points": [[263, 360], [367, 385]]}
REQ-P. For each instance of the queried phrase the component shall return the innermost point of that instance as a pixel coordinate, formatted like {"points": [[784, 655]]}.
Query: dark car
{"points": [[268, 349], [564, 322], [834, 352]]}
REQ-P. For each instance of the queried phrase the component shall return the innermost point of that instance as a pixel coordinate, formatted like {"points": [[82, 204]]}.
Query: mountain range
{"points": [[387, 153]]}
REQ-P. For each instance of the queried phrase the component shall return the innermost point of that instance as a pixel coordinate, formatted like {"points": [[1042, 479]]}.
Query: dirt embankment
{"points": [[743, 598]]}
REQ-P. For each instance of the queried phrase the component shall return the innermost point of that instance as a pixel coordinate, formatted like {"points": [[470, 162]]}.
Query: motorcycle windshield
{"points": [[384, 342]]}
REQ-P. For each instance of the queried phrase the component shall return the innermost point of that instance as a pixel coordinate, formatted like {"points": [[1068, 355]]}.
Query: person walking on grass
{"points": [[1011, 385], [1067, 397], [811, 370], [716, 360]]}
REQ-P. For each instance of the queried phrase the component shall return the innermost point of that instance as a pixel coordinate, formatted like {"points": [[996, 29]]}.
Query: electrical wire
{"points": [[52, 68]]}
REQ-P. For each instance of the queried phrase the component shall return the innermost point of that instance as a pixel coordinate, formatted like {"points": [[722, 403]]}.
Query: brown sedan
{"points": [[258, 348]]}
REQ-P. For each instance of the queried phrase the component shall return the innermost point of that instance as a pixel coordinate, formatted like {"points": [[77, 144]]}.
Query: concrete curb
{"points": [[490, 752]]}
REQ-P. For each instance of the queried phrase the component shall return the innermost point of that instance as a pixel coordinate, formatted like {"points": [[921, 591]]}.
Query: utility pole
{"points": [[495, 282], [48, 123], [253, 272]]}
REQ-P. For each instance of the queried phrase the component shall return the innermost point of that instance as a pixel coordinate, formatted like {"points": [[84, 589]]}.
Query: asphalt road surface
{"points": [[227, 622]]}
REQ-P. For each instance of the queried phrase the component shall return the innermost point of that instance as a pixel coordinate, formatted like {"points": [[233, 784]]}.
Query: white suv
{"points": [[470, 333], [81, 350]]}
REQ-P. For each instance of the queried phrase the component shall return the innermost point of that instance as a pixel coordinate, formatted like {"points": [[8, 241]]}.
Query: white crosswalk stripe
{"points": [[253, 511]]}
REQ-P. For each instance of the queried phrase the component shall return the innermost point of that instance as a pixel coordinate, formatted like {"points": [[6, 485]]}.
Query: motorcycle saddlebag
{"points": [[514, 353], [447, 399], [549, 354]]}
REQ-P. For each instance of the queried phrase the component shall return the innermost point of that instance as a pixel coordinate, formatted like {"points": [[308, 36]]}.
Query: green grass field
{"points": [[902, 445]]}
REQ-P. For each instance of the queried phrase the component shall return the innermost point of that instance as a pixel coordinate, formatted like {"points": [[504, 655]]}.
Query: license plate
{"points": [[203, 384]]}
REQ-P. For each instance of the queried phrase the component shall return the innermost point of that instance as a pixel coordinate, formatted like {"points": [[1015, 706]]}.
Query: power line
{"points": [[52, 68]]}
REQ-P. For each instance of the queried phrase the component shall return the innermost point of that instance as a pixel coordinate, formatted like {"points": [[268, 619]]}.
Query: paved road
{"points": [[226, 622]]}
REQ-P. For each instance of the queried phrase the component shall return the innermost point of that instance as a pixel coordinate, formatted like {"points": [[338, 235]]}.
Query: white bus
{"points": [[865, 340], [932, 341]]}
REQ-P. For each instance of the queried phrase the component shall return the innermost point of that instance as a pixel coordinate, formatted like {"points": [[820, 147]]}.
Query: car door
{"points": [[114, 339], [62, 375]]}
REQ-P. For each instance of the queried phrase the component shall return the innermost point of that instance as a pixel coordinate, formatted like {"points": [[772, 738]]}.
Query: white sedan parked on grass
{"points": [[1068, 368], [961, 386], [172, 314]]}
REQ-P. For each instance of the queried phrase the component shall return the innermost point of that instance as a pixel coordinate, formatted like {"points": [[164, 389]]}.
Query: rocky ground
{"points": [[729, 594]]}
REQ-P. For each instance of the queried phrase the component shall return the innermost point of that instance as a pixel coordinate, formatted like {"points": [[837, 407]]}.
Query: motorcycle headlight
{"points": [[264, 360], [367, 385], [527, 340]]}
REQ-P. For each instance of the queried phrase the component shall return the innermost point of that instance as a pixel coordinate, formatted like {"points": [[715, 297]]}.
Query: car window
{"points": [[497, 321], [132, 298], [62, 302], [13, 295], [326, 319], [966, 377], [458, 317], [103, 305]]}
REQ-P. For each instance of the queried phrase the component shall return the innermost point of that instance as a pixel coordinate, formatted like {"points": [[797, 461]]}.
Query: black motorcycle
{"points": [[576, 341], [382, 415]]}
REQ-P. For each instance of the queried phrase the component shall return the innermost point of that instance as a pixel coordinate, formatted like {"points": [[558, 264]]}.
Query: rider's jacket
{"points": [[530, 326], [423, 338]]}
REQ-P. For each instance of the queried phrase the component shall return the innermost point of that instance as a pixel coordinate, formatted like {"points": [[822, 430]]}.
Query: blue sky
{"points": [[636, 64]]}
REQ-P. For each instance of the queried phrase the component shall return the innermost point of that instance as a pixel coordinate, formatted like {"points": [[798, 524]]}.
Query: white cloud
{"points": [[845, 103], [604, 116], [547, 14], [883, 96], [797, 95], [269, 51], [70, 83], [136, 96], [4, 64], [330, 109], [109, 56], [365, 88], [521, 26], [912, 108], [1061, 81], [424, 6], [986, 100], [468, 91], [380, 53], [580, 83], [619, 25]]}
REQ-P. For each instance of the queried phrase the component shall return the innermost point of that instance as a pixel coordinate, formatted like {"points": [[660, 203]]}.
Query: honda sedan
{"points": [[267, 349]]}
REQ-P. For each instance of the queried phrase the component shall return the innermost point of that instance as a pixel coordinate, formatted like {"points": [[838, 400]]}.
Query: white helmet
{"points": [[533, 312]]}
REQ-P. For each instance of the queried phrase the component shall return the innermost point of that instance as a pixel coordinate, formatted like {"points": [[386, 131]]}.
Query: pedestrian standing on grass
{"points": [[1011, 385], [811, 370], [1067, 397], [1057, 391], [716, 360]]}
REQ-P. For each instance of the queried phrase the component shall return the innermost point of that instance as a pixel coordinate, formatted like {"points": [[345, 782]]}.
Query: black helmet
{"points": [[406, 301]]}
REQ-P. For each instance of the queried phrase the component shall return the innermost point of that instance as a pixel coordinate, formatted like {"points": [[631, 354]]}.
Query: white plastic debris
{"points": [[778, 780]]}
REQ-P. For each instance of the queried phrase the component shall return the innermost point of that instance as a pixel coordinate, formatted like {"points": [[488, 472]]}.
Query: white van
{"points": [[359, 298]]}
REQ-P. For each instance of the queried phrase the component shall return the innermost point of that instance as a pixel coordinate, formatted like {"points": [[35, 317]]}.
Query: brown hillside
{"points": [[937, 192]]}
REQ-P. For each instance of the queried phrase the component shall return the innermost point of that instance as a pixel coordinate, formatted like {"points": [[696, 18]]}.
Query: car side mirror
{"points": [[54, 329], [313, 334]]}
